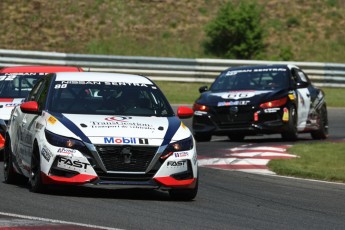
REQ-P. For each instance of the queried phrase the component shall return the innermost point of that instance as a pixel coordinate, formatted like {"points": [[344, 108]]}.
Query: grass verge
{"points": [[321, 161]]}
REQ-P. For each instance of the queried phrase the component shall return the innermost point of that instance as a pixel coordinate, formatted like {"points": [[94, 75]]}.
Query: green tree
{"points": [[236, 32]]}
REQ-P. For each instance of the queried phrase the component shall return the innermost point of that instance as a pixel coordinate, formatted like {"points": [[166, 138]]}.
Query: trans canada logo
{"points": [[119, 119]]}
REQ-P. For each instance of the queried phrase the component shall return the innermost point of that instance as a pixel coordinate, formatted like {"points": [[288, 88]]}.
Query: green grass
{"points": [[180, 92], [335, 97], [321, 161]]}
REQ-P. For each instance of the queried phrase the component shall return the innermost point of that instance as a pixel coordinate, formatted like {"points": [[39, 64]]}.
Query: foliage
{"points": [[236, 32]]}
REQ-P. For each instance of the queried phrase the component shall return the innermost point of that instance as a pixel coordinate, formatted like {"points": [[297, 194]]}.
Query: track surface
{"points": [[226, 199]]}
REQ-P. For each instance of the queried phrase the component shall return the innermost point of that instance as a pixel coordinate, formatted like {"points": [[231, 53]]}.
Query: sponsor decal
{"points": [[234, 72], [230, 103], [66, 150], [176, 163], [121, 124], [183, 125], [105, 83], [76, 163], [271, 110], [12, 104], [195, 159], [120, 119], [286, 115], [46, 153], [181, 154], [291, 96], [52, 120], [126, 140], [238, 94]]}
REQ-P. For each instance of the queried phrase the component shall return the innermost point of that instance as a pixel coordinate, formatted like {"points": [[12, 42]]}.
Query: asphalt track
{"points": [[227, 199]]}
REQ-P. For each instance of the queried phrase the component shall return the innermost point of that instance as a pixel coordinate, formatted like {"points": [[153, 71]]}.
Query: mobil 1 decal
{"points": [[126, 140]]}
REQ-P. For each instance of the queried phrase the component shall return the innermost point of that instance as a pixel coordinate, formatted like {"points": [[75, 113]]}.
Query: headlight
{"points": [[182, 145], [65, 142]]}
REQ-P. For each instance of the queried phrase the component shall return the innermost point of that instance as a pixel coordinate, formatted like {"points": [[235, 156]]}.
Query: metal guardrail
{"points": [[166, 69]]}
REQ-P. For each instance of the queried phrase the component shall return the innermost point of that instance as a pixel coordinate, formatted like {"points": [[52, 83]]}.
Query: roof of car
{"points": [[39, 69], [106, 77], [262, 67]]}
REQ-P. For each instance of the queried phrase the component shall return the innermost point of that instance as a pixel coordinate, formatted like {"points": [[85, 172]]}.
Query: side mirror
{"points": [[184, 112], [203, 89], [29, 107]]}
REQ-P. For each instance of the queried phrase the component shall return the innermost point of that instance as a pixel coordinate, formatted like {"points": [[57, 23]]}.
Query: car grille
{"points": [[226, 119], [117, 158]]}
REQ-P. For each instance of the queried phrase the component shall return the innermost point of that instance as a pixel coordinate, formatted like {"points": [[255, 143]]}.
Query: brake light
{"points": [[198, 107], [275, 103]]}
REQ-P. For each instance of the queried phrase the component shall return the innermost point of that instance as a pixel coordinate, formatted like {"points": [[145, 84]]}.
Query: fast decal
{"points": [[230, 103], [125, 140], [176, 163], [181, 154], [69, 163], [66, 150], [46, 153]]}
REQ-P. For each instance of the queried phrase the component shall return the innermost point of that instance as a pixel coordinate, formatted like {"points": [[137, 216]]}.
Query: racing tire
{"points": [[184, 194], [233, 137], [291, 134], [10, 176], [322, 132], [202, 137], [35, 179]]}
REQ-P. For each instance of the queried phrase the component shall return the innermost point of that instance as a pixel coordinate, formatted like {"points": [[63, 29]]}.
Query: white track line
{"points": [[55, 221]]}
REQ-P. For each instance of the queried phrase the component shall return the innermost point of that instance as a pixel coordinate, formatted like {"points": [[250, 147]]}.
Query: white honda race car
{"points": [[101, 129]]}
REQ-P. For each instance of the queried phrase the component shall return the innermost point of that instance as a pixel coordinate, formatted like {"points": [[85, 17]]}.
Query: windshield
{"points": [[17, 85], [104, 98], [252, 79]]}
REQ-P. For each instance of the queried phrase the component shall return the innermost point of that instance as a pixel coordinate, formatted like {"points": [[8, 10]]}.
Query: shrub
{"points": [[236, 32]]}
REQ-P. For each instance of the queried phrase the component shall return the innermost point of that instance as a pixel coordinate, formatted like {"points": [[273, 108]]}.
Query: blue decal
{"points": [[174, 124], [71, 126]]}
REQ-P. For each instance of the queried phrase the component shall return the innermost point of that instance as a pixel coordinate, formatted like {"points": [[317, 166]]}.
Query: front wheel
{"points": [[10, 176], [35, 179], [291, 133], [322, 132], [184, 194]]}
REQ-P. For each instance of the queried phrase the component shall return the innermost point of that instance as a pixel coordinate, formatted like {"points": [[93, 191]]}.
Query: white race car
{"points": [[101, 129]]}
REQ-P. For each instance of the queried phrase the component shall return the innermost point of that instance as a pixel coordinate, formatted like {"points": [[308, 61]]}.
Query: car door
{"points": [[28, 122], [304, 99]]}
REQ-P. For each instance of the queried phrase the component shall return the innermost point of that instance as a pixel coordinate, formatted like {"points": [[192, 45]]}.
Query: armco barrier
{"points": [[166, 69]]}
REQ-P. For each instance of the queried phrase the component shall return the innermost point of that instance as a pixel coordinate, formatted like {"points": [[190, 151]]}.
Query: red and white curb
{"points": [[247, 158]]}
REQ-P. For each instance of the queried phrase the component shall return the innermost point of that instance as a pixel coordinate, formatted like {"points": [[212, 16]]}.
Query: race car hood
{"points": [[102, 129], [6, 106], [242, 97]]}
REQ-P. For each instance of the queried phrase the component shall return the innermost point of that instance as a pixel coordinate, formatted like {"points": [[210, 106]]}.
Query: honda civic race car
{"points": [[253, 100], [101, 129], [16, 83]]}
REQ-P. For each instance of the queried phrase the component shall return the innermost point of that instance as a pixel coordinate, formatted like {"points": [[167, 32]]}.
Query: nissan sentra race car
{"points": [[253, 100], [101, 129], [16, 83]]}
